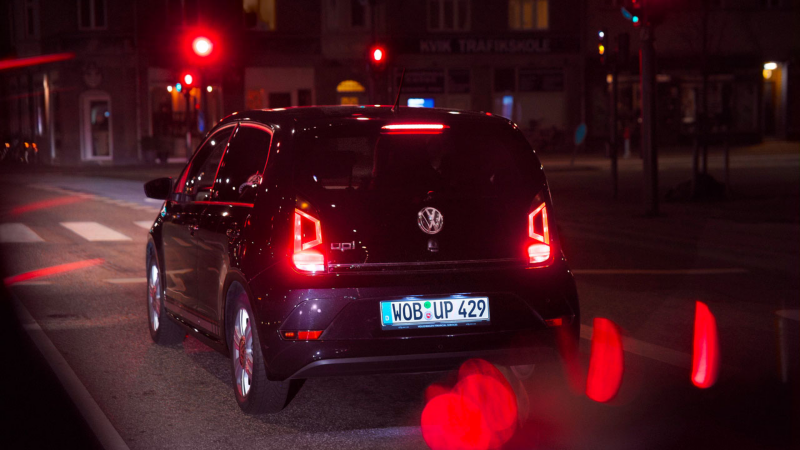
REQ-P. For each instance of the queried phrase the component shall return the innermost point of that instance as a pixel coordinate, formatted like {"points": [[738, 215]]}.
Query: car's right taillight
{"points": [[307, 237], [540, 251]]}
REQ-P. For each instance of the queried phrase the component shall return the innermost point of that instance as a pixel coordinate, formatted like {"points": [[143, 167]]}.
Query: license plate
{"points": [[431, 313]]}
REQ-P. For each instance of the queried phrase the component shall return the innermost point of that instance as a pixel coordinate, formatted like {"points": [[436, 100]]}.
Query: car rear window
{"points": [[463, 158]]}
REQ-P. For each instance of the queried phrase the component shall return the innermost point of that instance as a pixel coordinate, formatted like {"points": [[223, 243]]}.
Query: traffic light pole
{"points": [[614, 133], [649, 151]]}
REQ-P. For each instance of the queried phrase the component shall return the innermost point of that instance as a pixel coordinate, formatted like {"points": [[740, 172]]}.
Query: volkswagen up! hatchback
{"points": [[326, 241]]}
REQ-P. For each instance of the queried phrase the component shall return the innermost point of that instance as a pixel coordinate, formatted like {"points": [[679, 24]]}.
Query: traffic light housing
{"points": [[602, 45], [633, 11]]}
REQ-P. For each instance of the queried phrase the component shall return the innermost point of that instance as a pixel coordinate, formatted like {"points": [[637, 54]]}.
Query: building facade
{"points": [[118, 93]]}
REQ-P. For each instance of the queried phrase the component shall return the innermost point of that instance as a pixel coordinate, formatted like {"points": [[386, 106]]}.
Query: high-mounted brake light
{"points": [[306, 258], [539, 231], [413, 128]]}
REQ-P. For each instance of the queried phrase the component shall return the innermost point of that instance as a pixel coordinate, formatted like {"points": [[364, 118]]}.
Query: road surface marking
{"points": [[103, 429], [17, 232], [659, 271], [52, 270], [648, 350], [33, 283], [126, 280], [146, 224], [93, 231], [791, 314]]}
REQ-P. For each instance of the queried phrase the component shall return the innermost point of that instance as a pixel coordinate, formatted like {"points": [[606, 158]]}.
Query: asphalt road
{"points": [[740, 256]]}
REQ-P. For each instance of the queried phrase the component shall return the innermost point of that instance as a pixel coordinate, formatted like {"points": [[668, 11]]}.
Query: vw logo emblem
{"points": [[430, 220]]}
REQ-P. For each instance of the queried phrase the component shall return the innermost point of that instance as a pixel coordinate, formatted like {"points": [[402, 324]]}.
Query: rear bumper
{"points": [[353, 341], [417, 363]]}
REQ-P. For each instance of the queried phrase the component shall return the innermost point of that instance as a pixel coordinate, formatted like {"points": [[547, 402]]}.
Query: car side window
{"points": [[200, 178], [242, 169]]}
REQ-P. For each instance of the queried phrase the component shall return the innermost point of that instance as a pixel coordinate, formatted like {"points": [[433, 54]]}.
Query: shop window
{"points": [[92, 14], [448, 15], [259, 14], [528, 14]]}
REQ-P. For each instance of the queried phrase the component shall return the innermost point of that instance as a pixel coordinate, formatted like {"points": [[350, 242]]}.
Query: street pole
{"points": [[614, 134], [189, 112], [649, 151]]}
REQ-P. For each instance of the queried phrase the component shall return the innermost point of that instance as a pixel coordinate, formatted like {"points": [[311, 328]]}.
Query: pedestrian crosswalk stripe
{"points": [[93, 231], [146, 224], [17, 232]]}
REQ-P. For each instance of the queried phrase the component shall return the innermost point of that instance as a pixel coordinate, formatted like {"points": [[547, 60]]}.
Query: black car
{"points": [[326, 241]]}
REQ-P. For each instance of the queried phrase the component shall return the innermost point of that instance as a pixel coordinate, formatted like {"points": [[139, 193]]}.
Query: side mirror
{"points": [[159, 188]]}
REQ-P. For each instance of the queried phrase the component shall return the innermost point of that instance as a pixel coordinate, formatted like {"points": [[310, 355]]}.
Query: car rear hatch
{"points": [[400, 195]]}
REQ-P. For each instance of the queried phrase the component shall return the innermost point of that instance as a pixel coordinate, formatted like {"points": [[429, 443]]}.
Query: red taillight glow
{"points": [[308, 335], [304, 258], [540, 251], [413, 128], [705, 358]]}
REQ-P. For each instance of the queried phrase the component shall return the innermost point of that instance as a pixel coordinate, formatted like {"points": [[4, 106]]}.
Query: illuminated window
{"points": [[448, 15], [259, 14], [349, 101], [528, 14], [350, 86]]}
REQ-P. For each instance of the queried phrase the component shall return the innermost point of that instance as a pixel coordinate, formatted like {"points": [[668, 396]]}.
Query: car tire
{"points": [[255, 394], [163, 330]]}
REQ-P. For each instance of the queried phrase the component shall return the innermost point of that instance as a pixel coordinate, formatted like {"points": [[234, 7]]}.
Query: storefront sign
{"points": [[531, 45]]}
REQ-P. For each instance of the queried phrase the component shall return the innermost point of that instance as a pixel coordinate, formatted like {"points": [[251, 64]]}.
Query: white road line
{"points": [[648, 350], [106, 433], [791, 314], [93, 231], [17, 233], [659, 271], [126, 280], [146, 224]]}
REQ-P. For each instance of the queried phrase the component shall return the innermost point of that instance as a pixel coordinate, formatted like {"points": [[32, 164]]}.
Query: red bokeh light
{"points": [[202, 46], [605, 362], [480, 412], [705, 355]]}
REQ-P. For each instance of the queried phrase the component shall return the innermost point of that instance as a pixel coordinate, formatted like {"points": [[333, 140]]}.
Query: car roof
{"points": [[286, 116]]}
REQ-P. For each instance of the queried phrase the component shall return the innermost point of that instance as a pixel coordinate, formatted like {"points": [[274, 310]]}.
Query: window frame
{"points": [[178, 191], [456, 16], [534, 3], [262, 173], [93, 26]]}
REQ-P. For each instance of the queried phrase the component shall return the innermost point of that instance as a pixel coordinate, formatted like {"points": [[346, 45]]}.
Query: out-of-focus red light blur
{"points": [[705, 355], [377, 55], [202, 46], [48, 271], [480, 412], [188, 79], [605, 362]]}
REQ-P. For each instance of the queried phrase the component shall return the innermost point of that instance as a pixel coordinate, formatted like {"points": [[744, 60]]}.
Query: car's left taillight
{"points": [[307, 255], [540, 248]]}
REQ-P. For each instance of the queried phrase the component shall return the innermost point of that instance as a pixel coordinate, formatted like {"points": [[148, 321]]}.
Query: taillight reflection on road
{"points": [[480, 412], [53, 270], [705, 355], [605, 361], [44, 204]]}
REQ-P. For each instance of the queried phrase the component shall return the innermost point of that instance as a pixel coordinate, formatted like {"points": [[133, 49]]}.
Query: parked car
{"points": [[325, 241]]}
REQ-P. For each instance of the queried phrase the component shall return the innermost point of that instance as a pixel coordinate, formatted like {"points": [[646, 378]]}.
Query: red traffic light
{"points": [[188, 79], [377, 54], [202, 46]]}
